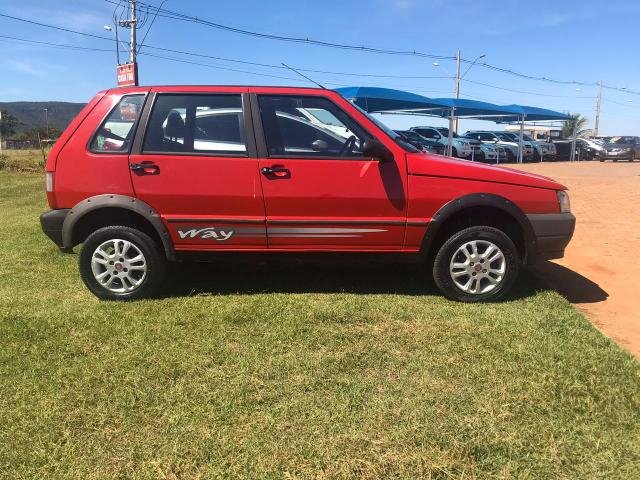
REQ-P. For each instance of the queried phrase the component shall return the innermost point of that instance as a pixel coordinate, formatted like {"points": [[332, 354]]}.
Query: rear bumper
{"points": [[552, 233], [51, 223]]}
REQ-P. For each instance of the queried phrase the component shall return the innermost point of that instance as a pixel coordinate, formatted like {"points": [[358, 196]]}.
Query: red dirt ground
{"points": [[599, 271]]}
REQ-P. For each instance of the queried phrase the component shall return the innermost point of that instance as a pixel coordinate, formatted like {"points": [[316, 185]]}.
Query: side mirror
{"points": [[320, 146], [374, 148]]}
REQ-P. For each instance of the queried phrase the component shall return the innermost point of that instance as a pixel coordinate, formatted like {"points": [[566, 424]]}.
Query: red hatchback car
{"points": [[144, 175]]}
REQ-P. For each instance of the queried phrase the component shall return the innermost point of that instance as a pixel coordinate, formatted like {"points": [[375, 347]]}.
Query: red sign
{"points": [[127, 74]]}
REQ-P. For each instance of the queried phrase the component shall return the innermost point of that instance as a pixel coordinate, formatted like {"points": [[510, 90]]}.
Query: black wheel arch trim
{"points": [[126, 202], [480, 200]]}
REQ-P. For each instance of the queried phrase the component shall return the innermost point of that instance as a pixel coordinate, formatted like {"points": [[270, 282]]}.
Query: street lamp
{"points": [[458, 77], [109, 29]]}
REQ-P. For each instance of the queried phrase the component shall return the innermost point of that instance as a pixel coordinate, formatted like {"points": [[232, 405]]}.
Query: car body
{"points": [[589, 149], [462, 147], [149, 175], [505, 140], [621, 148], [542, 151], [491, 153], [419, 141]]}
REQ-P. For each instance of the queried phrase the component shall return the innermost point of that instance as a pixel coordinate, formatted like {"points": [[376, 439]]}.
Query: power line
{"points": [[327, 72], [55, 45], [208, 65], [213, 57], [194, 19], [343, 46], [525, 92]]}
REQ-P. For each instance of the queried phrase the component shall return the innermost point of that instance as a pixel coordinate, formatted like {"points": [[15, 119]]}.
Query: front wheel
{"points": [[477, 264], [121, 263]]}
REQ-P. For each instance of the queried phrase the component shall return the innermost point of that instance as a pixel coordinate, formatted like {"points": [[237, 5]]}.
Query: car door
{"points": [[195, 164], [320, 191]]}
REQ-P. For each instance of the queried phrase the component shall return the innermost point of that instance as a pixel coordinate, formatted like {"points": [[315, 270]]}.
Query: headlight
{"points": [[563, 201]]}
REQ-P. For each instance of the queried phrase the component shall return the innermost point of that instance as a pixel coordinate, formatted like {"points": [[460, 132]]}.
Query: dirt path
{"points": [[598, 272]]}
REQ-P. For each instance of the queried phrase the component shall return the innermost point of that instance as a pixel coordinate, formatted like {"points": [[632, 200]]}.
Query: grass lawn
{"points": [[281, 371], [27, 160]]}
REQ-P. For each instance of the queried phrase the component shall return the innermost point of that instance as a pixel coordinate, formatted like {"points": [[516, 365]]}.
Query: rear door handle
{"points": [[277, 171], [145, 168]]}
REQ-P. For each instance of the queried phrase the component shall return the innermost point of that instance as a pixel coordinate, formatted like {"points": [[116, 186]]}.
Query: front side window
{"points": [[196, 124], [116, 132], [309, 126]]}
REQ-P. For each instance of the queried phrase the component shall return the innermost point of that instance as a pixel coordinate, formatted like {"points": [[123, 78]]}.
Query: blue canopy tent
{"points": [[377, 99], [387, 100], [525, 112]]}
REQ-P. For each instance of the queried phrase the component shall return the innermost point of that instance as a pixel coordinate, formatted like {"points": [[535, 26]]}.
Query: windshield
{"points": [[445, 132], [394, 136], [621, 140], [505, 136]]}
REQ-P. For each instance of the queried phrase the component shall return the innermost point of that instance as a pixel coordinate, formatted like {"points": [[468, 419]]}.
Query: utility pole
{"points": [[0, 132], [598, 106], [127, 73], [133, 25], [455, 120]]}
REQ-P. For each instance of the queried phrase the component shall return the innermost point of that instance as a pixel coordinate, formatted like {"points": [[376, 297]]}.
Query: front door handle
{"points": [[145, 168], [276, 171]]}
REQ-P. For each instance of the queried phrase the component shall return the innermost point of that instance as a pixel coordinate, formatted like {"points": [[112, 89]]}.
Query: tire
{"points": [[129, 279], [454, 152], [505, 269]]}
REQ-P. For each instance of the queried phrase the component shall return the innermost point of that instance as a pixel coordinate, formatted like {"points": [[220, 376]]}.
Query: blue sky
{"points": [[567, 40]]}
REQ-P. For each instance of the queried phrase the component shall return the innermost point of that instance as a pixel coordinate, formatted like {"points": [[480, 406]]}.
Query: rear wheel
{"points": [[476, 264], [121, 263]]}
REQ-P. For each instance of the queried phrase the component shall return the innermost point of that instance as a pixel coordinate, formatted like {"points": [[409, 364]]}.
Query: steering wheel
{"points": [[348, 145]]}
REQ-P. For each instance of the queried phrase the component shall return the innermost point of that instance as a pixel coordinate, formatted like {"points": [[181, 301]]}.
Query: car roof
{"points": [[223, 88]]}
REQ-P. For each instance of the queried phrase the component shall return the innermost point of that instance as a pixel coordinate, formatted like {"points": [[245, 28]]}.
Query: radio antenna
{"points": [[304, 76]]}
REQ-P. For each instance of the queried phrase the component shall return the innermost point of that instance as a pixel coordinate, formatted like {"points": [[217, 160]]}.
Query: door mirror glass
{"points": [[320, 146], [374, 148]]}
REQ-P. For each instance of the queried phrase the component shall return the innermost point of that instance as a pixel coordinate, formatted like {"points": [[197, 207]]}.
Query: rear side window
{"points": [[196, 124], [116, 132]]}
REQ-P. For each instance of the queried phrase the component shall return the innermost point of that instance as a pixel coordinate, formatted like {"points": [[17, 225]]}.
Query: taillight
{"points": [[48, 181]]}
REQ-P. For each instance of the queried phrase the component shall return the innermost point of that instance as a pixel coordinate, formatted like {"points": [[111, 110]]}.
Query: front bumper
{"points": [[617, 155], [552, 232], [51, 223]]}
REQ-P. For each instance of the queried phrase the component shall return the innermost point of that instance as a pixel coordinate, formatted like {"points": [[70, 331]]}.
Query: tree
{"points": [[8, 124], [578, 123]]}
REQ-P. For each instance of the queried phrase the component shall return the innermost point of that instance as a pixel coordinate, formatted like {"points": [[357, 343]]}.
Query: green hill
{"points": [[31, 114]]}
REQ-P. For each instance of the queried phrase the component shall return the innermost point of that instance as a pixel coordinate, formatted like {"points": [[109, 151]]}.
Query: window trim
{"points": [[261, 140], [134, 127], [249, 135]]}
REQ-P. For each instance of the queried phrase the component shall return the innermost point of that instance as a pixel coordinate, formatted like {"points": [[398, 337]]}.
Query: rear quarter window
{"points": [[116, 132]]}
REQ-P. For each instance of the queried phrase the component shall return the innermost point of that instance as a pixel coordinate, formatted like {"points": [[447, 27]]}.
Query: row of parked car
{"points": [[615, 148], [479, 145], [502, 147]]}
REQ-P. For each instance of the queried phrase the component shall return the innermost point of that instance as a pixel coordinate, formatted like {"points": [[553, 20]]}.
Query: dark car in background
{"points": [[420, 142], [621, 148]]}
